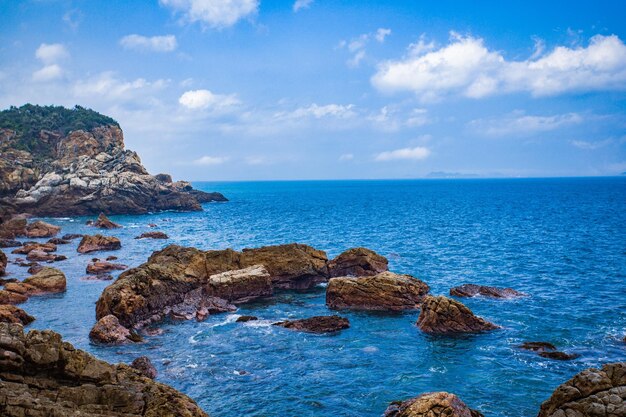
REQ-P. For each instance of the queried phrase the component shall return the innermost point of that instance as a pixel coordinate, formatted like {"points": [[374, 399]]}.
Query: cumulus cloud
{"points": [[214, 13], [468, 68], [48, 73], [381, 34], [205, 99], [108, 86], [302, 4], [50, 55], [329, 110], [416, 154], [210, 160], [166, 43], [518, 123]]}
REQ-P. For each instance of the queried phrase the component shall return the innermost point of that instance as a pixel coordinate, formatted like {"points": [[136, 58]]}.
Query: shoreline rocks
{"points": [[96, 243], [46, 281], [442, 315], [316, 324], [357, 262], [145, 366], [41, 229], [12, 314], [473, 290], [431, 404]]}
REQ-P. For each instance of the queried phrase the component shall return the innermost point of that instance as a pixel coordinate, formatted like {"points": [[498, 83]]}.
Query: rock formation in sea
{"points": [[442, 315], [153, 235], [145, 366], [472, 290], [592, 392], [46, 281], [3, 263], [40, 375], [548, 350], [316, 324], [103, 222], [96, 243], [357, 262], [385, 291], [12, 314], [60, 162], [432, 404]]}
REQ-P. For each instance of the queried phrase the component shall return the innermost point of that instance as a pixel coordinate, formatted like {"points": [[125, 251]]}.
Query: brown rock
{"points": [[145, 366], [58, 241], [40, 256], [386, 291], [34, 268], [241, 285], [548, 350], [71, 236], [537, 346], [11, 314], [41, 229], [3, 263], [442, 315], [472, 290], [97, 243], [357, 262], [196, 304], [101, 267], [111, 258], [559, 356], [46, 281], [10, 297], [12, 228], [244, 319], [153, 235], [317, 324], [592, 392], [103, 222], [98, 277], [31, 246], [9, 243], [432, 404], [108, 330]]}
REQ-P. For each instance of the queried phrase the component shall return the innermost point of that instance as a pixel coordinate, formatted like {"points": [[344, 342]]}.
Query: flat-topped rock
{"points": [[240, 285], [432, 404], [31, 246], [46, 281], [357, 262], [9, 243], [317, 324], [108, 330], [12, 314], [385, 292], [96, 243], [473, 290], [153, 235], [548, 350], [41, 229], [101, 267], [442, 315]]}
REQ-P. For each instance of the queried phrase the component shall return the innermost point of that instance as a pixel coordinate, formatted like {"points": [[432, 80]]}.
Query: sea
{"points": [[560, 240]]}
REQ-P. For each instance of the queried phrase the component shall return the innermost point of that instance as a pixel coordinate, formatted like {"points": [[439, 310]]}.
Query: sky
{"points": [[320, 89]]}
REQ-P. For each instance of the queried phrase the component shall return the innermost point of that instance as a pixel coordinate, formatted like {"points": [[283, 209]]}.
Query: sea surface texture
{"points": [[563, 241]]}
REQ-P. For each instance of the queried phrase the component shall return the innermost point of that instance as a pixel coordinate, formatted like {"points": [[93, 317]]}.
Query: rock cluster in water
{"points": [[316, 324], [442, 315], [432, 404], [46, 281], [472, 290]]}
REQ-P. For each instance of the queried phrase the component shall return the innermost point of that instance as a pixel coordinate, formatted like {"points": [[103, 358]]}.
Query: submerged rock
{"points": [[71, 236], [153, 235], [592, 392], [97, 277], [100, 267], [103, 222], [472, 290], [41, 229], [357, 262], [386, 291], [442, 315], [11, 314], [97, 243], [244, 319], [3, 263], [432, 404], [40, 375], [317, 324], [58, 241], [31, 246], [537, 346], [9, 243], [548, 350], [145, 366]]}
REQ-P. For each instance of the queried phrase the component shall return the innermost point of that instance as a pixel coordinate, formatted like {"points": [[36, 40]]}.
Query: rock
{"points": [[9, 243], [46, 281], [41, 229], [44, 376], [386, 291], [165, 178], [153, 235], [241, 285], [537, 346], [10, 297], [152, 225], [559, 356], [12, 228], [442, 315], [244, 319], [99, 267], [7, 280], [111, 258], [548, 350], [39, 255], [34, 268], [317, 324], [592, 392], [103, 222], [71, 236], [196, 304], [98, 277], [97, 243], [108, 330], [31, 246], [432, 404], [58, 241], [472, 290], [11, 314], [357, 262], [3, 263], [145, 366]]}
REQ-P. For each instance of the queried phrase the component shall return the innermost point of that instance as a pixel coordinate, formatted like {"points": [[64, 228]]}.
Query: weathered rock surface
{"points": [[103, 222], [432, 404], [109, 330], [31, 246], [317, 324], [46, 281], [95, 243], [240, 285], [9, 243], [472, 290], [97, 277], [41, 229], [442, 315], [80, 168], [42, 376], [386, 292], [592, 392], [153, 235], [71, 236], [101, 267], [3, 263], [357, 262], [11, 314], [11, 227], [145, 366], [59, 241]]}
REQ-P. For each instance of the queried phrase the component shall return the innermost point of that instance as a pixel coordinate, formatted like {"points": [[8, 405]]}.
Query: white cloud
{"points": [[329, 110], [51, 53], [302, 4], [518, 123], [106, 85], [346, 157], [215, 13], [166, 43], [381, 34], [416, 154], [591, 145], [356, 46], [210, 160], [48, 73], [467, 67], [205, 99], [73, 18]]}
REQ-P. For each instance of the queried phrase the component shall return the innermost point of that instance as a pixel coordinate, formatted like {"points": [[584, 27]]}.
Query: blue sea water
{"points": [[563, 241]]}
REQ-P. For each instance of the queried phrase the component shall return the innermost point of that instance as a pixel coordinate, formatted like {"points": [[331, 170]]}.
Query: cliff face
{"points": [[80, 172]]}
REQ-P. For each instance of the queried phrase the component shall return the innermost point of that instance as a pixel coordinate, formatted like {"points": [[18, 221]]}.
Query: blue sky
{"points": [[248, 89]]}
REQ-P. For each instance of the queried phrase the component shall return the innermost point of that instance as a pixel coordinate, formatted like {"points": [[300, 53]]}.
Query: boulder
{"points": [[386, 292], [34, 268], [241, 285], [317, 324], [442, 315], [13, 227], [3, 263], [31, 246], [145, 366], [432, 404], [98, 277], [41, 229], [592, 392], [472, 290], [9, 243], [97, 243], [11, 314], [58, 241], [103, 222], [245, 319], [71, 236], [357, 262], [101, 267], [108, 330], [153, 235], [46, 281], [41, 375], [40, 256]]}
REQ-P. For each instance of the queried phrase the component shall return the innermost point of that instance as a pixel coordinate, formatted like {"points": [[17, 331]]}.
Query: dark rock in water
{"points": [[317, 324], [111, 258], [35, 268], [108, 330], [244, 319], [103, 222], [44, 376], [97, 243], [548, 350], [71, 236], [7, 280], [97, 277], [198, 305], [560, 356], [59, 241], [100, 267], [472, 290], [3, 263], [537, 346], [432, 404], [152, 225], [386, 292], [145, 366], [9, 243], [153, 235], [46, 281], [357, 262], [592, 392], [41, 229], [442, 315], [31, 246], [11, 314]]}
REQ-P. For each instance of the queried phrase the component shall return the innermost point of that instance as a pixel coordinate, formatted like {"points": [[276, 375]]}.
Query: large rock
{"points": [[593, 392], [357, 262], [241, 285], [317, 324], [152, 235], [97, 243], [103, 222], [108, 330], [472, 290], [11, 227], [145, 366], [46, 281], [3, 263], [41, 376], [11, 314], [442, 315], [101, 267], [432, 404], [31, 246], [79, 167], [386, 291], [41, 229]]}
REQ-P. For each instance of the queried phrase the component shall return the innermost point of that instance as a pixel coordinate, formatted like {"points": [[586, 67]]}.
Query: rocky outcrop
{"points": [[59, 241], [357, 262], [80, 168], [101, 267], [41, 256], [592, 392], [386, 292], [103, 222], [432, 404], [31, 246], [442, 315], [11, 314], [241, 285], [3, 263], [9, 243], [41, 229], [317, 324], [108, 330], [40, 376], [97, 243], [145, 366], [548, 350], [153, 235], [46, 281], [12, 227], [472, 290]]}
